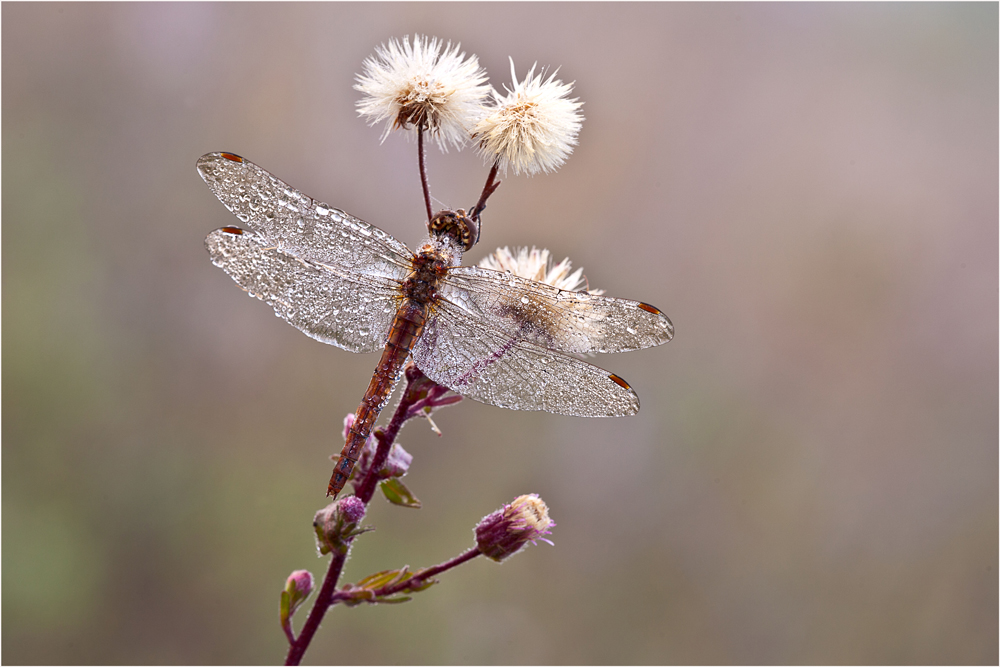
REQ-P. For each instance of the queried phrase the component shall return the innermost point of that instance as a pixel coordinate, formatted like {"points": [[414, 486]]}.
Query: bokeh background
{"points": [[809, 191]]}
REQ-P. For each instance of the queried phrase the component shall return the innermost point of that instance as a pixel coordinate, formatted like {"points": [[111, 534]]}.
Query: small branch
{"points": [[421, 576], [423, 171], [491, 185], [447, 565], [319, 608]]}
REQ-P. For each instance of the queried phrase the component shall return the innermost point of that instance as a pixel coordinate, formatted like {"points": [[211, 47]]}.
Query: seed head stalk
{"points": [[422, 153], [491, 185]]}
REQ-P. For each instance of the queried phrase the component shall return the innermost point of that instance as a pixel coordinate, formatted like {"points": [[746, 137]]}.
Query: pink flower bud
{"points": [[502, 533], [337, 524], [298, 586], [397, 463]]}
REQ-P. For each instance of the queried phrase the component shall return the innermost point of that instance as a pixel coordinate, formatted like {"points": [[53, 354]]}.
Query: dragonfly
{"points": [[488, 335]]}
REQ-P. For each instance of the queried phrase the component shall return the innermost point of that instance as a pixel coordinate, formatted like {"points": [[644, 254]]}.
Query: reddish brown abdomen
{"points": [[406, 328]]}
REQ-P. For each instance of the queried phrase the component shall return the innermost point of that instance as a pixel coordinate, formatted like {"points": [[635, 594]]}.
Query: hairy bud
{"points": [[337, 524], [502, 533]]}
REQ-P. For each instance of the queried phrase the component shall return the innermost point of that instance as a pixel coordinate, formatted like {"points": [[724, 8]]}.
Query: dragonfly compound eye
{"points": [[456, 224]]}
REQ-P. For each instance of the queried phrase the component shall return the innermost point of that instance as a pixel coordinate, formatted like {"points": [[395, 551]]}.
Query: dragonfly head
{"points": [[463, 229]]}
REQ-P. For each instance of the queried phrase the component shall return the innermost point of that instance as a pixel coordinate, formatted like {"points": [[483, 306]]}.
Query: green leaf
{"points": [[285, 607], [384, 578], [397, 493], [365, 589]]}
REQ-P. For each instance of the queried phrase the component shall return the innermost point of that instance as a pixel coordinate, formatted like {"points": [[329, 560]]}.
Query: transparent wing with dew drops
{"points": [[299, 225], [553, 318], [476, 360], [352, 311]]}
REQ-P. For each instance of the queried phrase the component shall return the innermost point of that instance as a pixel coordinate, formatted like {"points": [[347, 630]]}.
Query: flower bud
{"points": [[502, 533], [298, 586], [397, 463], [337, 524]]}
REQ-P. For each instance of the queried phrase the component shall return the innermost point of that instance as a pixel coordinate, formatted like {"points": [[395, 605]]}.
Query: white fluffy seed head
{"points": [[535, 264], [533, 127], [424, 84]]}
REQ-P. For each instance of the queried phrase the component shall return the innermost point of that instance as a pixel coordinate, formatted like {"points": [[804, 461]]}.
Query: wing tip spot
{"points": [[232, 230], [232, 157], [664, 323], [618, 381], [650, 309]]}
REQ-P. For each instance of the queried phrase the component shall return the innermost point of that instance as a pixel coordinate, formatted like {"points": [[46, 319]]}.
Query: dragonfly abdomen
{"points": [[406, 328]]}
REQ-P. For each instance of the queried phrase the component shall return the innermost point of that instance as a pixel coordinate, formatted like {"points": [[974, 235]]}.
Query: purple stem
{"points": [[327, 593], [323, 602], [417, 578], [491, 185], [423, 171], [385, 439]]}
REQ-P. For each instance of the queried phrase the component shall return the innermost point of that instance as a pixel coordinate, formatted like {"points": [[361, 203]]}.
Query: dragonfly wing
{"points": [[574, 322], [487, 365], [333, 306], [297, 224]]}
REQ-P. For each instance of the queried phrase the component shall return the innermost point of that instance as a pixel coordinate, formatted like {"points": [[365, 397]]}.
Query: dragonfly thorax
{"points": [[429, 266]]}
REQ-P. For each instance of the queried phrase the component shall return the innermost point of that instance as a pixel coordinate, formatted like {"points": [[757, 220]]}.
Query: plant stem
{"points": [[491, 185], [423, 171], [327, 591], [417, 578], [319, 608], [385, 439]]}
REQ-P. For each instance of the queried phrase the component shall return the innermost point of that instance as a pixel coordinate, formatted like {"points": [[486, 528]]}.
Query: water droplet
{"points": [[322, 210], [524, 299]]}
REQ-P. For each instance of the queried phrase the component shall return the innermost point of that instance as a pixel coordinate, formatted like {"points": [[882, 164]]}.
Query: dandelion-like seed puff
{"points": [[423, 85], [535, 264], [533, 127]]}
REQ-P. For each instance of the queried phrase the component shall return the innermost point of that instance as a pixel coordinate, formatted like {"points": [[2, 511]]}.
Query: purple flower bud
{"points": [[397, 463], [337, 524], [353, 509], [298, 586], [502, 533]]}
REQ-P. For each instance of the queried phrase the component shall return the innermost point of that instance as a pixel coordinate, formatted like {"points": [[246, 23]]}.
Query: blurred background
{"points": [[808, 191]]}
